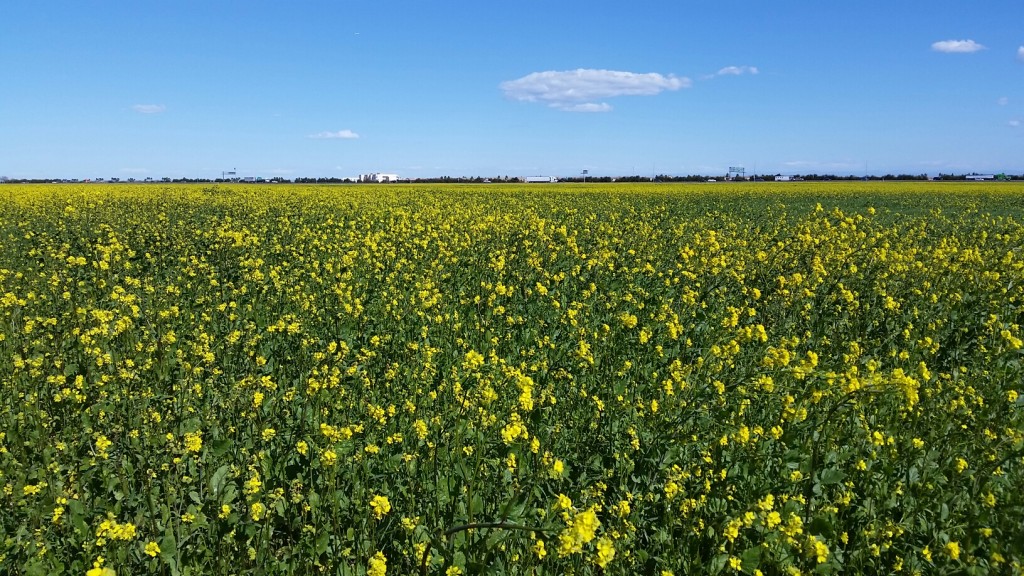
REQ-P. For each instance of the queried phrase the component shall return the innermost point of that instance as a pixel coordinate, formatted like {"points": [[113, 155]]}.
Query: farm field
{"points": [[799, 378]]}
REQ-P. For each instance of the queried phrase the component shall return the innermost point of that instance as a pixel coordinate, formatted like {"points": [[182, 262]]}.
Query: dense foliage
{"points": [[563, 379]]}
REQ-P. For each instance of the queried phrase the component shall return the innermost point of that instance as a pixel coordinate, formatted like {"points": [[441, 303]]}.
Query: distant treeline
{"points": [[513, 179]]}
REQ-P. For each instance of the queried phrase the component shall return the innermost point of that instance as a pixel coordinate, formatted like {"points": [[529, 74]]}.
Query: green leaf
{"points": [[217, 480], [718, 563], [221, 446], [832, 476], [168, 545], [751, 558], [322, 541]]}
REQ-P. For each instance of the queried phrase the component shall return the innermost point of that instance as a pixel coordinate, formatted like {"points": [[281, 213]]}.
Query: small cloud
{"points": [[737, 70], [821, 166], [588, 107], [342, 134], [957, 46], [149, 108], [1014, 123], [1003, 101], [1020, 53], [578, 90]]}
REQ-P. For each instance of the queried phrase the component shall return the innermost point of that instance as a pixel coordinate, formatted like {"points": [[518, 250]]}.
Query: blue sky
{"points": [[528, 87]]}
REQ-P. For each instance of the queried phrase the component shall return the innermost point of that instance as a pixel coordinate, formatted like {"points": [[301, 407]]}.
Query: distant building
{"points": [[540, 179], [378, 177]]}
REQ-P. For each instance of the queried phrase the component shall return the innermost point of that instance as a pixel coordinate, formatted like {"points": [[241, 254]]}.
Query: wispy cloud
{"points": [[342, 134], [581, 90], [957, 46], [1003, 101], [587, 107], [1014, 123], [737, 70], [1020, 53], [149, 108], [822, 165]]}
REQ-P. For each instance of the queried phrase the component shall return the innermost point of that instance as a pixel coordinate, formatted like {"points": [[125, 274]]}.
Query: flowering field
{"points": [[636, 379]]}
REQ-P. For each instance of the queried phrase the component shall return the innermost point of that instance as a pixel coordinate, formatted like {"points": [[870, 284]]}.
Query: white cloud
{"points": [[957, 46], [808, 166], [1020, 53], [343, 134], [579, 90], [149, 108], [1003, 101], [587, 107], [737, 70], [1014, 123]]}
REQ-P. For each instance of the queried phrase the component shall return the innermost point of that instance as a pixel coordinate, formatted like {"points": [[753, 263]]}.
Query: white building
{"points": [[378, 177], [540, 179]]}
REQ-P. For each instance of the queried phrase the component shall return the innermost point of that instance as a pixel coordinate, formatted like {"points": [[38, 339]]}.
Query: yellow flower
{"points": [[818, 549], [605, 551], [102, 444], [953, 549], [268, 434], [732, 529], [328, 457], [377, 565], [421, 428], [152, 549], [253, 484], [557, 468], [409, 523], [256, 511], [302, 447], [453, 571], [539, 550], [579, 531], [381, 506], [194, 441], [98, 571]]}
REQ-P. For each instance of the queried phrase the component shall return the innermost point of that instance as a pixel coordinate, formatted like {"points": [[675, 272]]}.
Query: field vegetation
{"points": [[812, 378]]}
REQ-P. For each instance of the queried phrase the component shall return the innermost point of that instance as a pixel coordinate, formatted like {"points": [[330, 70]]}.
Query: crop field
{"points": [[535, 379]]}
